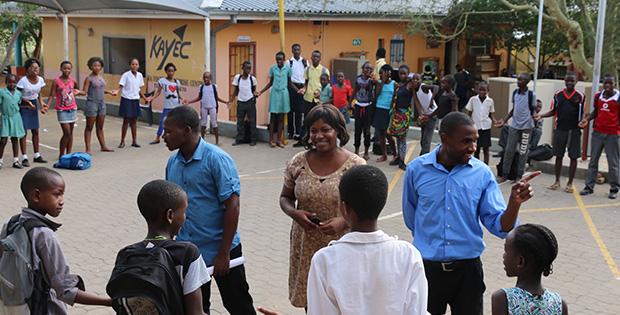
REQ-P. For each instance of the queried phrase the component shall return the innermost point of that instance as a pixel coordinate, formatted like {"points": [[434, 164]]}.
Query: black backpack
{"points": [[145, 280], [541, 153]]}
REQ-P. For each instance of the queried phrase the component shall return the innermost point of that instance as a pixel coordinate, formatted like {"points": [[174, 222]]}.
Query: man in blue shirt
{"points": [[447, 197], [209, 177]]}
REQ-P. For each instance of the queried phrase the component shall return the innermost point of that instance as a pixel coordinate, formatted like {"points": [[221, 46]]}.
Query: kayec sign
{"points": [[174, 46]]}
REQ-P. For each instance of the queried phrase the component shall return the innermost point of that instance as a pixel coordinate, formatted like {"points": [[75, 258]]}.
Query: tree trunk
{"points": [[9, 50], [37, 48]]}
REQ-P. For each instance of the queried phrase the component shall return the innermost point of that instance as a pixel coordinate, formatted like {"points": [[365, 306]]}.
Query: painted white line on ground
{"points": [[263, 172], [43, 145]]}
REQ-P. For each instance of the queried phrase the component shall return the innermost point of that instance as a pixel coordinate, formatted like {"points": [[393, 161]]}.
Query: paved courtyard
{"points": [[101, 216]]}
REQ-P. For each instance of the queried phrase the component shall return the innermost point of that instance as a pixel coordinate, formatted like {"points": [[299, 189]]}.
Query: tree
{"points": [[23, 15], [568, 27]]}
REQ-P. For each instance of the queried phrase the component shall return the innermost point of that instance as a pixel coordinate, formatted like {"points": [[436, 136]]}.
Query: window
{"points": [[118, 50], [397, 53]]}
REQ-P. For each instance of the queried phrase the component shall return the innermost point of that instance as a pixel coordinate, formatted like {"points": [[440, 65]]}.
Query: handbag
{"points": [[399, 122]]}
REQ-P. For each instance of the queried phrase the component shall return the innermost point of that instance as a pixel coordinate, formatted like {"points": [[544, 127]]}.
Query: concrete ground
{"points": [[101, 216]]}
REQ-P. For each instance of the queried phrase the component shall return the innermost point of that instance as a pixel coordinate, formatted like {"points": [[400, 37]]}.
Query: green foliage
{"points": [[22, 14]]}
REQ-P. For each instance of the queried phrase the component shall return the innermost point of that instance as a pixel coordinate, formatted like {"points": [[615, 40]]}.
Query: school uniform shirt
{"points": [[521, 112], [48, 257], [313, 75], [445, 210], [208, 97], [131, 85], [208, 178], [245, 87], [297, 66], [480, 111], [607, 110], [30, 91], [326, 93], [170, 91], [188, 263], [568, 109], [427, 103], [367, 273]]}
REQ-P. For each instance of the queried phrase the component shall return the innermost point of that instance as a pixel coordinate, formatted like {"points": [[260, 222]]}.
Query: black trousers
{"points": [[461, 288], [246, 108], [295, 116], [234, 290], [363, 119], [307, 107]]}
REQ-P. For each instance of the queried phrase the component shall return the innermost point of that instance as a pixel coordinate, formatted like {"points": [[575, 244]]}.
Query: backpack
{"points": [[217, 104], [323, 71], [541, 153], [530, 95], [145, 279], [513, 168], [74, 161], [20, 283], [251, 82], [303, 62]]}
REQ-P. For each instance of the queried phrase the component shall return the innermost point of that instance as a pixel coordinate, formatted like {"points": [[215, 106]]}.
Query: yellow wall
{"points": [[338, 37], [189, 70]]}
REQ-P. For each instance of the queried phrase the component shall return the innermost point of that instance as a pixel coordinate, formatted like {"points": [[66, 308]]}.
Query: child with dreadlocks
{"points": [[529, 252]]}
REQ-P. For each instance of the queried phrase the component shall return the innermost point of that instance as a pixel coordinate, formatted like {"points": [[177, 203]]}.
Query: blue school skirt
{"points": [[30, 117], [129, 108]]}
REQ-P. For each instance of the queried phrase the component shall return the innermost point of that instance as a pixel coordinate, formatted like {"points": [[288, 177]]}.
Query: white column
{"points": [[207, 44], [65, 35]]}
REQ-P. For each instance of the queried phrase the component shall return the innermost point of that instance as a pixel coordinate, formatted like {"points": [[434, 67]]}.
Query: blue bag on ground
{"points": [[74, 161]]}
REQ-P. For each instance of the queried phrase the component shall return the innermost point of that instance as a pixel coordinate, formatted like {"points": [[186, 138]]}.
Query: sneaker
{"points": [[25, 163], [237, 142], [498, 154], [17, 165], [39, 160], [613, 194], [297, 137], [586, 191], [395, 162], [252, 143], [298, 144]]}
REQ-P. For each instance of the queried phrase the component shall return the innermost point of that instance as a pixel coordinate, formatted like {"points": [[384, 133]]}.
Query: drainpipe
{"points": [[65, 22], [233, 21]]}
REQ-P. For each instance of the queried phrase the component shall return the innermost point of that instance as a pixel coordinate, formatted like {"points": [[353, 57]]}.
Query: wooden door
{"points": [[238, 53]]}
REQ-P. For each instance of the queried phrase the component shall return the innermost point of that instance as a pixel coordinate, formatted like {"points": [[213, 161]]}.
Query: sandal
{"points": [[569, 189], [281, 145], [381, 159], [555, 186], [272, 144]]}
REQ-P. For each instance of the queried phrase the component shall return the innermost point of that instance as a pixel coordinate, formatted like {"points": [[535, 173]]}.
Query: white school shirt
{"points": [[480, 111], [131, 85], [427, 103], [245, 87], [208, 97], [367, 273], [298, 70], [30, 91]]}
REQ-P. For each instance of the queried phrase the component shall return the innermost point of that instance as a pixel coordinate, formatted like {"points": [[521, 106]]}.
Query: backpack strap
{"points": [[252, 83], [28, 224], [200, 90], [178, 84]]}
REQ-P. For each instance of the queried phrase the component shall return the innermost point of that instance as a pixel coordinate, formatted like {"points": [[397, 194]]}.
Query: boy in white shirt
{"points": [[481, 109], [365, 271]]}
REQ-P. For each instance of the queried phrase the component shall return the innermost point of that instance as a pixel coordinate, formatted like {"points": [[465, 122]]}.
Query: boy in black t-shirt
{"points": [[163, 204], [567, 106]]}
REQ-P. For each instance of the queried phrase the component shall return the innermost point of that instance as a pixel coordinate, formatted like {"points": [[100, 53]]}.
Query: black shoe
{"points": [[298, 144], [291, 136], [122, 145], [17, 165], [252, 143], [25, 163], [498, 154], [135, 145], [613, 194], [39, 160], [395, 162], [402, 165], [586, 191], [296, 137], [237, 142]]}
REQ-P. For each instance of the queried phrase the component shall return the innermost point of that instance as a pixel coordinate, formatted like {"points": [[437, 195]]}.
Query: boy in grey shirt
{"points": [[522, 113]]}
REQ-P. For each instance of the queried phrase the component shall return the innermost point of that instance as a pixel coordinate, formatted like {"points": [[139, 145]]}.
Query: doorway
{"points": [[118, 50], [238, 53]]}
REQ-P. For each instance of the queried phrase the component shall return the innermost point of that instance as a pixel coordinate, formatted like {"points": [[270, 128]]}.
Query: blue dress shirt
{"points": [[209, 178], [445, 210]]}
